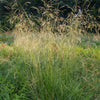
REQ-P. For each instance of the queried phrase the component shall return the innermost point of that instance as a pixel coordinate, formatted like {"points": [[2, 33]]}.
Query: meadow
{"points": [[48, 66], [49, 50]]}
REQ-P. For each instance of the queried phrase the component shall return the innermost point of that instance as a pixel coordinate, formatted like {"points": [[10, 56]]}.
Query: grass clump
{"points": [[50, 57], [49, 66]]}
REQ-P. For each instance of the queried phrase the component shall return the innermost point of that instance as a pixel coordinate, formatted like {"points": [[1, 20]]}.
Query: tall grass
{"points": [[49, 59], [49, 66]]}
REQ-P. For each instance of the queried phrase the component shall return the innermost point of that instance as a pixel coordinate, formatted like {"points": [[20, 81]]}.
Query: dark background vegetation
{"points": [[10, 8]]}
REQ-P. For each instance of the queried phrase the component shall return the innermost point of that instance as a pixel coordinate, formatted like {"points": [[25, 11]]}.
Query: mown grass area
{"points": [[49, 67]]}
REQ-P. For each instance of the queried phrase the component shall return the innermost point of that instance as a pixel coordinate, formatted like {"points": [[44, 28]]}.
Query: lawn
{"points": [[49, 67]]}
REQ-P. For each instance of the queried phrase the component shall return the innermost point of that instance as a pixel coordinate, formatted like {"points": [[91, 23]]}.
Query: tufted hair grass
{"points": [[49, 66]]}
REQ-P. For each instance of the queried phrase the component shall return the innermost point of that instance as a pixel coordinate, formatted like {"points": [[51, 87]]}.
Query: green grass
{"points": [[49, 67], [6, 38]]}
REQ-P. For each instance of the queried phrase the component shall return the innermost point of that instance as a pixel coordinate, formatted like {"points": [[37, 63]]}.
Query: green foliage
{"points": [[50, 67]]}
